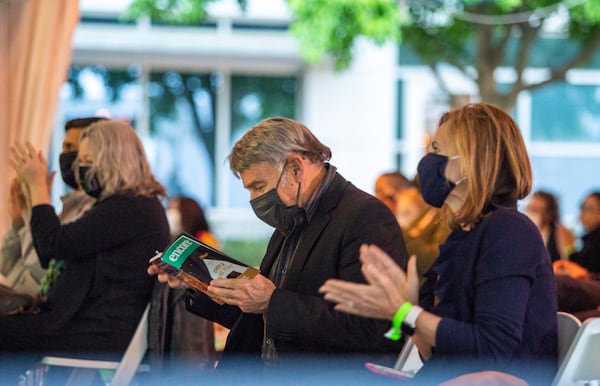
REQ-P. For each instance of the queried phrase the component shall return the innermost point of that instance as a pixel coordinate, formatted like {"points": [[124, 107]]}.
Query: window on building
{"points": [[254, 98], [564, 142], [565, 112], [175, 113], [182, 129], [94, 90]]}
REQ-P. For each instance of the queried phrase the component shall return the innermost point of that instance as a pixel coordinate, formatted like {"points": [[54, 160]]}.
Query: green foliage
{"points": [[432, 41], [332, 26], [271, 96], [180, 12], [486, 34], [457, 32], [114, 81], [584, 21], [170, 87], [185, 12], [249, 251]]}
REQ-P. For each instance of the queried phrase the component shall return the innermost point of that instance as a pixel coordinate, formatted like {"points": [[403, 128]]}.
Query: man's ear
{"points": [[296, 166]]}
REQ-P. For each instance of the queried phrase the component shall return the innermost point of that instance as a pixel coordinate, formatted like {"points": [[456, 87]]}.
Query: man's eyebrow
{"points": [[252, 184]]}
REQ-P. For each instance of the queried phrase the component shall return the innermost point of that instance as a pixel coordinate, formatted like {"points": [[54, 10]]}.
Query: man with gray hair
{"points": [[320, 222]]}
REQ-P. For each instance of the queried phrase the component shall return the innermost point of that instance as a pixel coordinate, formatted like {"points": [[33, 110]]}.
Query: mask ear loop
{"points": [[75, 167], [299, 185], [280, 175], [461, 179], [298, 194]]}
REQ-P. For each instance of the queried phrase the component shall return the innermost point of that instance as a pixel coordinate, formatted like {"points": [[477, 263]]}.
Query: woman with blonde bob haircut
{"points": [[494, 160], [488, 305], [96, 302]]}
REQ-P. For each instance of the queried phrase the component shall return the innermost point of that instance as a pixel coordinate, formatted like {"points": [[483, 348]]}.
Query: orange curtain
{"points": [[35, 53]]}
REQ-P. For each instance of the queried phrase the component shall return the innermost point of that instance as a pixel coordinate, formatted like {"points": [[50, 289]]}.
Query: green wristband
{"points": [[394, 332]]}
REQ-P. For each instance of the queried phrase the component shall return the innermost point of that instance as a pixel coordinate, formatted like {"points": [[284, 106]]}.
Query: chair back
{"points": [[84, 371], [134, 354], [568, 325], [580, 365], [408, 360]]}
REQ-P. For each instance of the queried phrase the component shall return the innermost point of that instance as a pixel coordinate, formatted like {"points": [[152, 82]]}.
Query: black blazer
{"points": [[104, 287], [298, 319]]}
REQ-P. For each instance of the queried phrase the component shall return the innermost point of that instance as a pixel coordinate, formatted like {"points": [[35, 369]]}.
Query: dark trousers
{"points": [[26, 339]]}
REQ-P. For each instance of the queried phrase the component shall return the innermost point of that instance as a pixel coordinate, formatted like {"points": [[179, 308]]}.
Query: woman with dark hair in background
{"points": [[542, 209], [578, 279], [186, 215]]}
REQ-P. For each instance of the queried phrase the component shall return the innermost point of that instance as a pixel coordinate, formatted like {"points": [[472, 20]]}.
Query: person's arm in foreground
{"points": [[389, 288]]}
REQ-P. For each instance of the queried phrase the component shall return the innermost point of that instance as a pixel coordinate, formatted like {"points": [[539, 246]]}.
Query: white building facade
{"points": [[190, 92]]}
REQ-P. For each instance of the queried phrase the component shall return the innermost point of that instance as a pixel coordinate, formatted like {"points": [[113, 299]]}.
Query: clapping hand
{"points": [[30, 164], [387, 289], [32, 170]]}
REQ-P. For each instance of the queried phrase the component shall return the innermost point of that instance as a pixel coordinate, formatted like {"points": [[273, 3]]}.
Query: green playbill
{"points": [[196, 263]]}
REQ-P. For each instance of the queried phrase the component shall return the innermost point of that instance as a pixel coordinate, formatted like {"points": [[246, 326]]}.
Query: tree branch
{"points": [[439, 80], [585, 54], [528, 37], [500, 48]]}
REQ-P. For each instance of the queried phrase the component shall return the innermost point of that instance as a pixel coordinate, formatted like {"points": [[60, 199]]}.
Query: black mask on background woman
{"points": [[91, 185], [67, 172]]}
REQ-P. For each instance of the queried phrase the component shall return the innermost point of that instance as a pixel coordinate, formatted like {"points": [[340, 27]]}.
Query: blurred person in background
{"points": [[29, 283], [578, 279], [543, 210], [420, 223], [388, 185], [588, 257], [19, 265], [422, 227], [186, 215]]}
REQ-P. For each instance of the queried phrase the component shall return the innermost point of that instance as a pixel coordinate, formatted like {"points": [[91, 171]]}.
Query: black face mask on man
{"points": [[67, 172], [91, 185], [270, 209], [435, 187]]}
